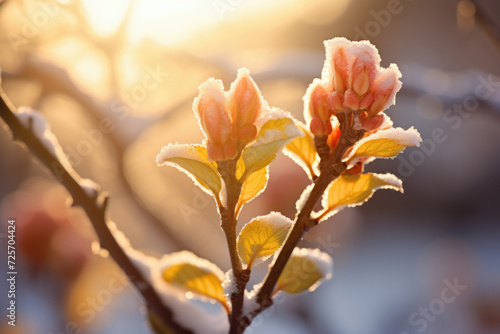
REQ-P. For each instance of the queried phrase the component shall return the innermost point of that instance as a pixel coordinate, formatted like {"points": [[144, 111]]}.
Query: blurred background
{"points": [[116, 79]]}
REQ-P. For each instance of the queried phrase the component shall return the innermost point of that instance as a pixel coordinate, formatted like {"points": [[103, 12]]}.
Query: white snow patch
{"points": [[90, 187], [41, 129], [269, 114], [303, 197], [250, 304], [229, 284]]}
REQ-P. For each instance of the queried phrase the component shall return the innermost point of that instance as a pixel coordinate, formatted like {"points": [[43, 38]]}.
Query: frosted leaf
{"points": [[190, 258], [193, 161], [303, 152], [322, 259], [305, 271], [269, 114], [41, 129], [262, 237], [385, 143], [354, 190]]}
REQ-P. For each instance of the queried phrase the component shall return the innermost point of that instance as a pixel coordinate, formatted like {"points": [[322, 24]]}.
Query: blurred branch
{"points": [[94, 206], [487, 23], [54, 79]]}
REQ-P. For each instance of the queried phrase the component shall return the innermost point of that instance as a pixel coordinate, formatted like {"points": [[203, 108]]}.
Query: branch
{"points": [[332, 168], [57, 80], [227, 169], [95, 208]]}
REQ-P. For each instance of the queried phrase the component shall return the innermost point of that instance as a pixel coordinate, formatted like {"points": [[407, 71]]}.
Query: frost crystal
{"points": [[229, 284]]}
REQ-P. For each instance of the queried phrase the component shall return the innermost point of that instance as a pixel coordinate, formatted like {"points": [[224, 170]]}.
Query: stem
{"points": [[227, 170], [330, 170], [95, 209]]}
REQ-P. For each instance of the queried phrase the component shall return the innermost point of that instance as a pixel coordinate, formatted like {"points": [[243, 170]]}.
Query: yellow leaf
{"points": [[271, 138], [261, 237], [192, 160], [192, 274], [353, 190], [252, 187], [305, 270], [384, 144], [303, 151]]}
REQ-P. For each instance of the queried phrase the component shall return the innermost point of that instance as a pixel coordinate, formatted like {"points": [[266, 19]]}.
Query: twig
{"points": [[332, 168], [95, 208], [227, 169]]}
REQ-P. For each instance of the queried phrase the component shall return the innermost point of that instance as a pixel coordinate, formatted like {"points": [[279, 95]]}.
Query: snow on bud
{"points": [[319, 110], [384, 89], [335, 68], [245, 105]]}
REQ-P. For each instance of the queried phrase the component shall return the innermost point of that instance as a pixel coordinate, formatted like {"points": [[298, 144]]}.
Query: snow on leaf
{"points": [[354, 190], [262, 236], [272, 136], [192, 160], [305, 270], [187, 271], [386, 143], [302, 151], [253, 186]]}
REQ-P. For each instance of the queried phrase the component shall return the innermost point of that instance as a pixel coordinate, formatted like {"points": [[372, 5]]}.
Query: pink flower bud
{"points": [[362, 73], [245, 106], [384, 89], [335, 101], [214, 119], [334, 136], [320, 113], [340, 70], [351, 100]]}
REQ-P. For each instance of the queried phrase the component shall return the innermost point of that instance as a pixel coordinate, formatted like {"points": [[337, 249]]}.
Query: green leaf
{"points": [[353, 190], [303, 151], [386, 143], [252, 187], [192, 160], [193, 274], [272, 137], [262, 236], [305, 270]]}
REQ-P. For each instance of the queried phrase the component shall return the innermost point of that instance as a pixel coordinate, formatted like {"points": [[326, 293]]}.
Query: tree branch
{"points": [[331, 169], [95, 208]]}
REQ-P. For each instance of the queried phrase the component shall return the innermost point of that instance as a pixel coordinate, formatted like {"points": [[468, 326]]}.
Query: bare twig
{"points": [[95, 208]]}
